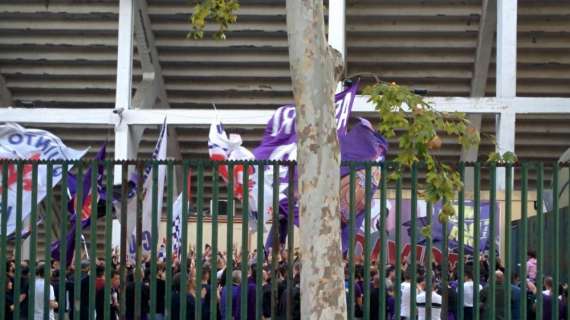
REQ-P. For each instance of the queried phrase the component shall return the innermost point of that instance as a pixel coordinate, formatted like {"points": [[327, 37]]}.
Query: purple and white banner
{"points": [[436, 230], [17, 142], [280, 143]]}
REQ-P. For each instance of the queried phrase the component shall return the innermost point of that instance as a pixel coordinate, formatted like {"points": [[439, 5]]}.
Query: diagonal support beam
{"points": [[151, 93], [487, 28], [5, 94]]}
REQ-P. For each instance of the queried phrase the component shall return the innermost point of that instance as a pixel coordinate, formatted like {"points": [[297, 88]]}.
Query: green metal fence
{"points": [[110, 286]]}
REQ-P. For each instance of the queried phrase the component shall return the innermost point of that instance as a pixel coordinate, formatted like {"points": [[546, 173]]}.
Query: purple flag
{"points": [[85, 215]]}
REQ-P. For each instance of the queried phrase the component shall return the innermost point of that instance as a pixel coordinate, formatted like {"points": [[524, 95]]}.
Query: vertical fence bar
{"points": [[476, 228], [244, 243], [18, 239], [124, 241], [229, 242], [3, 239], [47, 253], [568, 269], [351, 218], [169, 264], [568, 259], [93, 237], [398, 285], [428, 280], [461, 234], [33, 239], [491, 240], [109, 167], [78, 205], [556, 212], [199, 235], [184, 245], [154, 240], [275, 240], [259, 246], [366, 251], [524, 239], [507, 228], [214, 214], [445, 270], [413, 241], [540, 260], [63, 244], [383, 235], [138, 250], [290, 237]]}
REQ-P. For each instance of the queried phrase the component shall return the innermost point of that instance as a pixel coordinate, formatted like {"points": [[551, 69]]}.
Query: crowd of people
{"points": [[443, 299]]}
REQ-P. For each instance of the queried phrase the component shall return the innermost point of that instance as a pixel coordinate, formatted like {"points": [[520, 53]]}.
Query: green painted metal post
{"points": [[33, 240], [540, 251], [169, 263], [413, 242], [109, 168], [214, 214], [428, 267], [398, 285], [524, 232], [63, 244], [352, 217], [275, 240], [229, 242], [461, 234], [18, 238], [259, 247], [77, 244], [48, 225], [507, 230], [93, 237], [290, 238], [383, 247], [492, 254], [199, 233], [476, 228], [124, 241], [154, 240], [366, 252], [244, 241], [556, 212], [183, 255], [138, 234], [3, 238]]}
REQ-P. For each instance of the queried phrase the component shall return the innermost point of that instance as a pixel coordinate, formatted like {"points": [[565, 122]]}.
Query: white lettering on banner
{"points": [[342, 111], [283, 120]]}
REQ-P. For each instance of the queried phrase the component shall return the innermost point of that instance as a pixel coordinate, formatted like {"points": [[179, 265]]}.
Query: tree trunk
{"points": [[313, 76]]}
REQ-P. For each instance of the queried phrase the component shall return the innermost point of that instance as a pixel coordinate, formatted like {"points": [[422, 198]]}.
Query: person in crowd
{"points": [[531, 264], [500, 304], [232, 289], [40, 287], [405, 295], [469, 292], [516, 294], [421, 299]]}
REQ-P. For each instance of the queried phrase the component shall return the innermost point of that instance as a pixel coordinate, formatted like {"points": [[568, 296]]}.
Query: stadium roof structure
{"points": [[106, 70]]}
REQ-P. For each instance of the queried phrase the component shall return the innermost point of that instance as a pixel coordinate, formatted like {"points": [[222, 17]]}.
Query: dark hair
{"points": [[531, 254], [40, 270], [100, 271]]}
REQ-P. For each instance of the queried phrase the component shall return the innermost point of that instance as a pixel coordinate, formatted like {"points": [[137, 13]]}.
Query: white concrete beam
{"points": [[191, 117], [506, 86], [123, 143], [5, 94], [337, 26], [487, 28]]}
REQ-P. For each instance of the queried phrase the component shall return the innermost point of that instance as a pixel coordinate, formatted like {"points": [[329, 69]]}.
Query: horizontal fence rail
{"points": [[219, 240]]}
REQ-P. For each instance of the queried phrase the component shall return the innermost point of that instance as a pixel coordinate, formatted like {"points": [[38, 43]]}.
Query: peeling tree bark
{"points": [[313, 67]]}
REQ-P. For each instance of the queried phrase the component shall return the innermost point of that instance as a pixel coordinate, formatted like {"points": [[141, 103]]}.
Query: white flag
{"points": [[17, 142], [159, 153]]}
